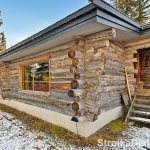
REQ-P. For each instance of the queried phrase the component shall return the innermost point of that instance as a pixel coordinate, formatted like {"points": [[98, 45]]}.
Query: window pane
{"points": [[39, 86], [42, 76], [42, 67], [28, 77], [36, 75], [28, 85], [27, 69]]}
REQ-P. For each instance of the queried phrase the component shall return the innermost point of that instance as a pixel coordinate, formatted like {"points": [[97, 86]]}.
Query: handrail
{"points": [[130, 109]]}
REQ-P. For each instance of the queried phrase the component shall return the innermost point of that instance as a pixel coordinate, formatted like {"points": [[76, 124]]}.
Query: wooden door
{"points": [[146, 67]]}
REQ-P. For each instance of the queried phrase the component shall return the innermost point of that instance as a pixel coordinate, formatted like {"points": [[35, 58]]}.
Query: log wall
{"points": [[132, 60], [86, 77], [105, 76]]}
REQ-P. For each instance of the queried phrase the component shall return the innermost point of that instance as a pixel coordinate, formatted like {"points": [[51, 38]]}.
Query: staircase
{"points": [[140, 108], [146, 78]]}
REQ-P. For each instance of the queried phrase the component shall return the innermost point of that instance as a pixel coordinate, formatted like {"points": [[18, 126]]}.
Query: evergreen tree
{"points": [[142, 11], [125, 6], [136, 9], [2, 38]]}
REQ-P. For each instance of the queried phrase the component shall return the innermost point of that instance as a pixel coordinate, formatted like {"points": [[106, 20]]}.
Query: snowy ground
{"points": [[15, 136], [133, 139]]}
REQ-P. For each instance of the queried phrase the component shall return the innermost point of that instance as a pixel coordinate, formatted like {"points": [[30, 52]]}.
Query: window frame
{"points": [[22, 81]]}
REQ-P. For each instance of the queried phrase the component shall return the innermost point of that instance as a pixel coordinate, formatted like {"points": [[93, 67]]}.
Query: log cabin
{"points": [[73, 72]]}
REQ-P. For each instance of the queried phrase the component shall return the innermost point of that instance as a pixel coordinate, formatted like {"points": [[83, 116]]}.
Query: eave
{"points": [[99, 16]]}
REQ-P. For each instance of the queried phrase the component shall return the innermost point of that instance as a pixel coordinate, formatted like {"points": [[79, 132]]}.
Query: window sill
{"points": [[35, 92]]}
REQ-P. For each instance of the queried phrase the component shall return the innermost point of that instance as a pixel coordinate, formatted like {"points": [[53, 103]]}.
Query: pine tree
{"points": [[142, 11], [2, 38], [125, 6], [136, 9]]}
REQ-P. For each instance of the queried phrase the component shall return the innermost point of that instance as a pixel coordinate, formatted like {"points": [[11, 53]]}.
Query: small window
{"points": [[36, 77]]}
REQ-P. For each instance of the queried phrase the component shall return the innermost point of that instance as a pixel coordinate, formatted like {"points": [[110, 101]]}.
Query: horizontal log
{"points": [[93, 57], [61, 80], [92, 73], [115, 57], [113, 73], [93, 81], [131, 51], [106, 100], [111, 94], [129, 56], [135, 71], [60, 52], [99, 64], [117, 48], [130, 67], [114, 78], [113, 51], [60, 94], [111, 88], [31, 60], [138, 42], [111, 105], [131, 60], [114, 68], [66, 62], [79, 92], [66, 75], [75, 47], [64, 70], [63, 86], [106, 34], [113, 63], [112, 83]]}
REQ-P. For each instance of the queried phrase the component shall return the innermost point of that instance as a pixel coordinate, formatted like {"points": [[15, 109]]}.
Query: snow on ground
{"points": [[134, 138], [15, 136]]}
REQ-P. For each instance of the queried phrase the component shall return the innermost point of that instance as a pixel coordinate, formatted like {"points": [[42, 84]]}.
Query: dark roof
{"points": [[103, 11], [109, 8], [53, 28]]}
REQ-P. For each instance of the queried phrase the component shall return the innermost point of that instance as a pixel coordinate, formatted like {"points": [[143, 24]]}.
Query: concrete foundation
{"points": [[85, 128]]}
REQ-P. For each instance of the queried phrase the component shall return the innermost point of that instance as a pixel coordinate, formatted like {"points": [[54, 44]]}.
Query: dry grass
{"points": [[112, 131], [36, 124]]}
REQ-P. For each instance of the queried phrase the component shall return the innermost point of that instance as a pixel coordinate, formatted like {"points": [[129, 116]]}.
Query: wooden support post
{"points": [[50, 86], [138, 61], [128, 86], [21, 78]]}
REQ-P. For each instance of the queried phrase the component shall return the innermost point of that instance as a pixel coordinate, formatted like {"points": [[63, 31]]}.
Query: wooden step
{"points": [[146, 76], [144, 92], [146, 81], [141, 106], [143, 113], [140, 119], [141, 100], [143, 97], [146, 84], [146, 87]]}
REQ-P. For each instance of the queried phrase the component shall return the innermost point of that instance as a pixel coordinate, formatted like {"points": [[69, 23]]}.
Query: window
{"points": [[36, 77]]}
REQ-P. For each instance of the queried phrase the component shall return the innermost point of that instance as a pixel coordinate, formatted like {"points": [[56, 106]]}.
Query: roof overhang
{"points": [[90, 19]]}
